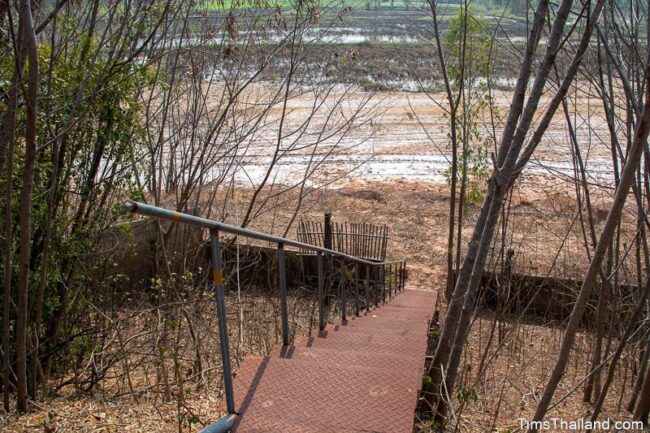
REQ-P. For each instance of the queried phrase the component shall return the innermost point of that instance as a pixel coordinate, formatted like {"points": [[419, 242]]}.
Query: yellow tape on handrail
{"points": [[217, 277]]}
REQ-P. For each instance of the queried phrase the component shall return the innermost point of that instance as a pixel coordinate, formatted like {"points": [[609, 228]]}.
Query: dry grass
{"points": [[158, 385], [416, 215], [513, 381]]}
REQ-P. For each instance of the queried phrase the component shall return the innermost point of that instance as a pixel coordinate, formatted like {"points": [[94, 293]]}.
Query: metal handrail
{"points": [[215, 227], [157, 212]]}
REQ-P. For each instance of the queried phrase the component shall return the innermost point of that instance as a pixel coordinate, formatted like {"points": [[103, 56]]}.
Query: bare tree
{"points": [[604, 242], [28, 43], [152, 100], [511, 158]]}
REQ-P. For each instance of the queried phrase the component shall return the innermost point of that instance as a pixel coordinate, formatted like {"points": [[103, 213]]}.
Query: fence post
{"points": [[283, 295], [217, 280], [327, 234], [321, 313]]}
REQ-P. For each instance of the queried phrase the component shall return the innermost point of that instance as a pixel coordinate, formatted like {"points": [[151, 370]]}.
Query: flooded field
{"points": [[377, 49]]}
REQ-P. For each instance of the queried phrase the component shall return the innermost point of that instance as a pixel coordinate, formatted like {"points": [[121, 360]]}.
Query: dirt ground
{"points": [[403, 136]]}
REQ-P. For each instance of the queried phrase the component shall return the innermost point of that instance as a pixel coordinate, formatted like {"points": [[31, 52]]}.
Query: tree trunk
{"points": [[453, 110], [510, 165], [6, 156], [643, 403], [25, 215], [9, 126], [443, 350], [503, 180]]}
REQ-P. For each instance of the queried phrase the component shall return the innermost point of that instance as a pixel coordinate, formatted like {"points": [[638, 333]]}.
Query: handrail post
{"points": [[396, 279], [321, 312], [283, 295], [367, 288], [376, 288], [390, 281], [356, 289], [383, 283], [217, 279], [344, 299]]}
